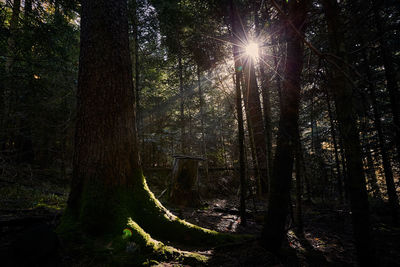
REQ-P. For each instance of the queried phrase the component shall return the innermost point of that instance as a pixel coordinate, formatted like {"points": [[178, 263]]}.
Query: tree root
{"points": [[132, 211], [141, 242]]}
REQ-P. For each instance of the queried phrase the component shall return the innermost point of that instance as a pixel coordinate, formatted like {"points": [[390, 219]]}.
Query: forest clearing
{"points": [[199, 133]]}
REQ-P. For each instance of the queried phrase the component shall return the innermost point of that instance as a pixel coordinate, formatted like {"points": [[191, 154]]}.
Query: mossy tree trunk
{"points": [[105, 139], [108, 191]]}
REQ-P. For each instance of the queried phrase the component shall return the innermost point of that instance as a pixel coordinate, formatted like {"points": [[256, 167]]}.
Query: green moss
{"points": [[105, 211], [157, 220], [146, 243]]}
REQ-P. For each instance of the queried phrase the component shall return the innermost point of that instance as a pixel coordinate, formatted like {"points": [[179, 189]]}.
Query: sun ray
{"points": [[271, 68]]}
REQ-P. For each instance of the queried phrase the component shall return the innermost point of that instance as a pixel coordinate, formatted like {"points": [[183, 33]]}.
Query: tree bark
{"points": [[133, 20], [274, 227], [105, 137]]}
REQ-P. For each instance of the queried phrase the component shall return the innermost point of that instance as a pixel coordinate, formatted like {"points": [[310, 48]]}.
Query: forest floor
{"points": [[28, 204]]}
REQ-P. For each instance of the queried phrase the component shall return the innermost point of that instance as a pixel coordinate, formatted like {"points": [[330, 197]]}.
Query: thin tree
{"points": [[238, 77], [256, 121], [335, 147], [390, 73], [343, 97], [279, 197], [387, 168], [203, 138], [265, 86], [7, 92]]}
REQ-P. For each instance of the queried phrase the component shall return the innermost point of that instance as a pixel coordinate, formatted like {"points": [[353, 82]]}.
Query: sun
{"points": [[252, 49]]}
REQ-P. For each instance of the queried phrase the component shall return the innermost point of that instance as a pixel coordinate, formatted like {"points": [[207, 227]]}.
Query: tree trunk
{"points": [[103, 130], [203, 138], [274, 227], [387, 168], [9, 92], [108, 190], [320, 174], [370, 171], [16, 10], [335, 148], [133, 20], [256, 121], [254, 159], [23, 139], [238, 77], [299, 167], [265, 93], [343, 96], [181, 104]]}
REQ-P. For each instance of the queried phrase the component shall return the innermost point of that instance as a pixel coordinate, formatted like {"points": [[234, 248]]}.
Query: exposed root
{"points": [[104, 212], [142, 242]]}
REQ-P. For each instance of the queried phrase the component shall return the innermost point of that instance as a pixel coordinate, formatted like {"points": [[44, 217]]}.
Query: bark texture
{"points": [[105, 137]]}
